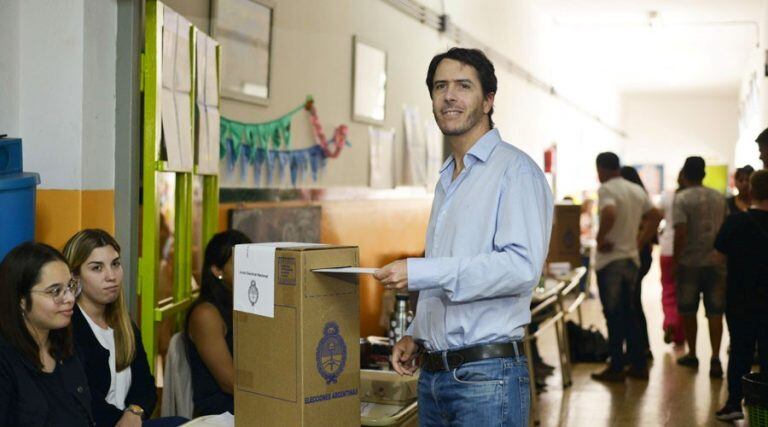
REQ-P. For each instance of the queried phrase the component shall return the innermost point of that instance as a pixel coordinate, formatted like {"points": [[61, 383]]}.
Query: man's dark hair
{"points": [[474, 58], [608, 161], [763, 137], [19, 272], [694, 169], [758, 185], [745, 170]]}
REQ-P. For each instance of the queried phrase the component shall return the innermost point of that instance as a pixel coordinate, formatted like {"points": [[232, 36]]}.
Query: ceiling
{"points": [[687, 45]]}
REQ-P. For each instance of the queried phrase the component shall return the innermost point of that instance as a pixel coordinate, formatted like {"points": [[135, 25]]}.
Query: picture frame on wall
{"points": [[244, 30], [652, 176], [369, 83]]}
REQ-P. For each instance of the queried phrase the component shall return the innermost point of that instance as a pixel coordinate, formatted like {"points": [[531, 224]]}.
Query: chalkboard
{"points": [[278, 224]]}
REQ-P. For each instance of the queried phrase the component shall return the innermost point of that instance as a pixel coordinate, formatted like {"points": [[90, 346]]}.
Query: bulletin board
{"points": [[278, 224]]}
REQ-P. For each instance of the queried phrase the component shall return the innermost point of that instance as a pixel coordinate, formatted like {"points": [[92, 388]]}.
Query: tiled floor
{"points": [[673, 396]]}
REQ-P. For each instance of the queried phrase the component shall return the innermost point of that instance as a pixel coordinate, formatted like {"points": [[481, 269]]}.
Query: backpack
{"points": [[587, 345]]}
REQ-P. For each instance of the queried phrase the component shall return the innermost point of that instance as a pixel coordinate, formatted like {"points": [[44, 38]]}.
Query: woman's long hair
{"points": [[77, 250], [218, 251], [19, 272], [630, 174]]}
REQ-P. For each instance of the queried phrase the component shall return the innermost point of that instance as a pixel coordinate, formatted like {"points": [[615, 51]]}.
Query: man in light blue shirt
{"points": [[487, 242]]}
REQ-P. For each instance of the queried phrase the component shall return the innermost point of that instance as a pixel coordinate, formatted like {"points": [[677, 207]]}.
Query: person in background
{"points": [[486, 246], [698, 214], [107, 342], [209, 330], [630, 174], [741, 201], [673, 325], [587, 240], [743, 239], [586, 222], [624, 209], [762, 146], [42, 383]]}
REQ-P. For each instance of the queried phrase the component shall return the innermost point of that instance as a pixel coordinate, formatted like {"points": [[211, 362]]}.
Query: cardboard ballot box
{"points": [[565, 243], [302, 365], [388, 387]]}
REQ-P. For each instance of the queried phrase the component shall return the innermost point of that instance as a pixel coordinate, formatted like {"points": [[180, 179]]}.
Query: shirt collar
{"points": [[481, 150]]}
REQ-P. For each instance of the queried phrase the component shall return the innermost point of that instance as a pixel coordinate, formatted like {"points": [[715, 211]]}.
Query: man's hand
{"points": [[404, 356], [393, 275], [129, 419]]}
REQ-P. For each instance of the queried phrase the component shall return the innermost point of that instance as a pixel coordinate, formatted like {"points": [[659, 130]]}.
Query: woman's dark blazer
{"points": [[95, 359], [22, 402]]}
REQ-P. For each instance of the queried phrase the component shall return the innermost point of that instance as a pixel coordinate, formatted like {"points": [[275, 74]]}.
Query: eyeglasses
{"points": [[57, 293]]}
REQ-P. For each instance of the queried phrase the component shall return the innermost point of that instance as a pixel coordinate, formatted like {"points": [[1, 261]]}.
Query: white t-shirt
{"points": [[120, 382], [667, 236], [631, 204]]}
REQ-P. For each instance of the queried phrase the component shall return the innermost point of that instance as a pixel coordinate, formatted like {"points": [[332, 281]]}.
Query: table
{"points": [[549, 305]]}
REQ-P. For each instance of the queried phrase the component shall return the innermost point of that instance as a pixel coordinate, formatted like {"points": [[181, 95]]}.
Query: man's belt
{"points": [[433, 361]]}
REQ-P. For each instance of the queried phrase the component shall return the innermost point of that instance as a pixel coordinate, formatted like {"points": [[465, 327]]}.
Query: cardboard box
{"points": [[387, 387], [565, 243], [302, 366]]}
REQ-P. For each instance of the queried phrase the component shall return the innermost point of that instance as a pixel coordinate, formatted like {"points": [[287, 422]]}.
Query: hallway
{"points": [[673, 396]]}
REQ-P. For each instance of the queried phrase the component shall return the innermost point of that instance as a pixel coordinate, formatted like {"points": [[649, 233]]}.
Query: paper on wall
{"points": [[170, 130], [382, 143], [184, 111], [434, 153], [415, 159], [208, 106], [176, 108]]}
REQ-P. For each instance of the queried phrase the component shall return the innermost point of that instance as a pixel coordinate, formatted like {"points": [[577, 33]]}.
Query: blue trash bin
{"points": [[17, 197]]}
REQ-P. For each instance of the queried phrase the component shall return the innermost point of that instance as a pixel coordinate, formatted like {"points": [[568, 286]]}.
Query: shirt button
{"points": [[80, 389]]}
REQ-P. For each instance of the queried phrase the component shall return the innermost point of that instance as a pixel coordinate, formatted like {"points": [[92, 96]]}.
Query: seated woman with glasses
{"points": [[106, 340], [41, 382], [209, 328]]}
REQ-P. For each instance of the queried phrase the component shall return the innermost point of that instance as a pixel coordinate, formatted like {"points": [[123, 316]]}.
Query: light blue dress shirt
{"points": [[487, 242]]}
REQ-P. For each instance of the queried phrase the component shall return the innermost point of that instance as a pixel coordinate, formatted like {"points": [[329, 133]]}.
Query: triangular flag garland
{"points": [[259, 145]]}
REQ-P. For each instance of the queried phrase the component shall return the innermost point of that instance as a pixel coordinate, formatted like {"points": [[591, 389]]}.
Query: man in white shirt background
{"points": [[623, 208]]}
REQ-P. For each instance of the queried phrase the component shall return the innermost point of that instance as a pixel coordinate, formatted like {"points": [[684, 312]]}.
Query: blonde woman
{"points": [[106, 340]]}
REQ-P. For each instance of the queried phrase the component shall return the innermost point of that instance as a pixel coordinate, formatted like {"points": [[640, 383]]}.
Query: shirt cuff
{"points": [[420, 274]]}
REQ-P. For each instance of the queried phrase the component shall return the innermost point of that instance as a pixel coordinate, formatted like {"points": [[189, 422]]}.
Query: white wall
{"points": [[51, 87], [9, 71], [312, 54], [59, 77], [99, 62], [753, 111], [667, 127]]}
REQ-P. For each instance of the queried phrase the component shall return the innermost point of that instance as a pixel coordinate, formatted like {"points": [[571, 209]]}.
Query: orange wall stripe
{"points": [[62, 213]]}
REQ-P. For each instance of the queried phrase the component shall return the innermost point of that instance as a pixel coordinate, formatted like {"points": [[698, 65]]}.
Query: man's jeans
{"points": [[616, 282], [491, 392]]}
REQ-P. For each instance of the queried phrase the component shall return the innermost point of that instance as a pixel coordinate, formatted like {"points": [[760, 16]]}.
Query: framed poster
{"points": [[652, 176], [244, 30], [369, 83]]}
